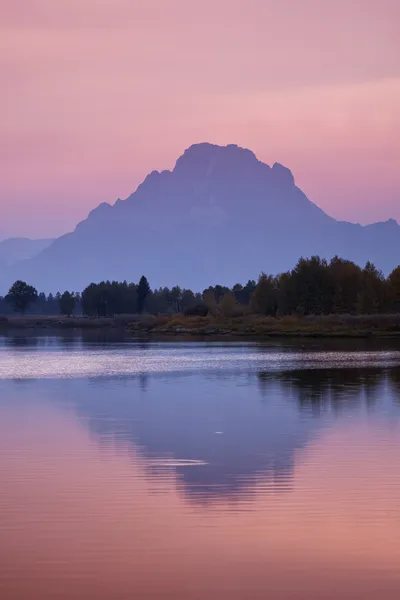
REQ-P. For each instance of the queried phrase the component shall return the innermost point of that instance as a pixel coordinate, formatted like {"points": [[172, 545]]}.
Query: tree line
{"points": [[314, 286]]}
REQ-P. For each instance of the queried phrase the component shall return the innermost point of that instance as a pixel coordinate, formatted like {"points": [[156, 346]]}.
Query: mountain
{"points": [[13, 250], [220, 216]]}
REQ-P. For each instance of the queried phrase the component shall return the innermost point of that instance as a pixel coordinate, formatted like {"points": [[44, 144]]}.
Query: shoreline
{"points": [[259, 328], [245, 327], [60, 322]]}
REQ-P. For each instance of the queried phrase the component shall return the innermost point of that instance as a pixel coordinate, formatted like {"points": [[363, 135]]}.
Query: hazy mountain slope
{"points": [[220, 216], [13, 250]]}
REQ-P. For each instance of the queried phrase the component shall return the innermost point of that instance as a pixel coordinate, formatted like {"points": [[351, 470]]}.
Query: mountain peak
{"points": [[200, 159], [208, 150], [391, 224], [283, 174], [219, 216], [102, 209]]}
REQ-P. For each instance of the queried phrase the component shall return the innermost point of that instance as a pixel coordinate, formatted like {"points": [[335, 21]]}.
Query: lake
{"points": [[198, 470]]}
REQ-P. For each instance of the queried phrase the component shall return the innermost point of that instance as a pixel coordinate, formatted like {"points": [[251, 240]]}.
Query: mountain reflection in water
{"points": [[193, 471]]}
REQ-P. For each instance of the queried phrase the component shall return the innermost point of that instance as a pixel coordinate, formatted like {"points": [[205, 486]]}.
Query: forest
{"points": [[314, 286]]}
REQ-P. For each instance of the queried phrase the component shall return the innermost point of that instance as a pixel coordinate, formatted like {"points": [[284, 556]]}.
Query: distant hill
{"points": [[13, 250], [220, 216]]}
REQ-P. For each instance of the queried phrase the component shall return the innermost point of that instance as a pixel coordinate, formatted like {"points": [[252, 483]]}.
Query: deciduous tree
{"points": [[67, 303], [21, 296]]}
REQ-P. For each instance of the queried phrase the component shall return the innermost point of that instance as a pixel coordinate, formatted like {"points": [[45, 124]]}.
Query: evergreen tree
{"points": [[143, 290], [312, 286], [264, 298], [394, 289], [372, 294], [188, 300]]}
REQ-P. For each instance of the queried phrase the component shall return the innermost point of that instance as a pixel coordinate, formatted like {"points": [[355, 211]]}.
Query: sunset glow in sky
{"points": [[97, 93]]}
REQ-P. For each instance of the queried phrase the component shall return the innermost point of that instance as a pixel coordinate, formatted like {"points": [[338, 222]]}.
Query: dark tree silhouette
{"points": [[313, 287], [21, 295], [109, 298], [394, 289], [67, 303], [264, 300], [143, 290]]}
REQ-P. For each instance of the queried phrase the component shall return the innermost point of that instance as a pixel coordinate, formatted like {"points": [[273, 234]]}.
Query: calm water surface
{"points": [[183, 471]]}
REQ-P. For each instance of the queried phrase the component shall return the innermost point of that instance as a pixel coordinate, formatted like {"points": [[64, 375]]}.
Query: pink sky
{"points": [[97, 93]]}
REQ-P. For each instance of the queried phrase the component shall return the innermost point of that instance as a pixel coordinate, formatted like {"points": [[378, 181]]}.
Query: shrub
{"points": [[198, 310]]}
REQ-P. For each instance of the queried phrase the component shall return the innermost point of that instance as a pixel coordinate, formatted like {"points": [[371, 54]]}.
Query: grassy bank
{"points": [[252, 326], [248, 326], [61, 322]]}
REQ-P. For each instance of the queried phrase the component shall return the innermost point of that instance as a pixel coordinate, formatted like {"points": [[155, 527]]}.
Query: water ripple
{"points": [[132, 360]]}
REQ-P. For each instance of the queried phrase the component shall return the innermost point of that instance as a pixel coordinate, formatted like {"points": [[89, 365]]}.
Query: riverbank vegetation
{"points": [[257, 326], [317, 295]]}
